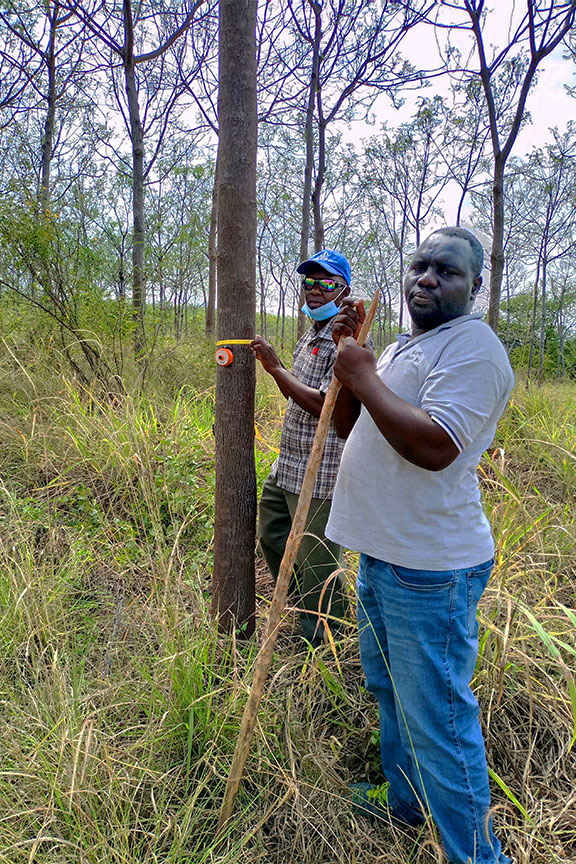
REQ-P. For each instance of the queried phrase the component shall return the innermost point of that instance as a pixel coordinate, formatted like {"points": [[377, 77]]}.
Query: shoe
{"points": [[368, 800]]}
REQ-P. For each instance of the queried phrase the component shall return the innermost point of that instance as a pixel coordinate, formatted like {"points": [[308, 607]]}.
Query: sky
{"points": [[549, 104]]}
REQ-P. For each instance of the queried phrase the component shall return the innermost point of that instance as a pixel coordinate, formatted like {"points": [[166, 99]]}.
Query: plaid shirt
{"points": [[313, 361]]}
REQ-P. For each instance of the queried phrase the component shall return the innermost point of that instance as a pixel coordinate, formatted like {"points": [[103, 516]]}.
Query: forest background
{"points": [[120, 700]]}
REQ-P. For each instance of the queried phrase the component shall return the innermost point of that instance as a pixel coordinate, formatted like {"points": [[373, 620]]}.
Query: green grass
{"points": [[120, 702]]}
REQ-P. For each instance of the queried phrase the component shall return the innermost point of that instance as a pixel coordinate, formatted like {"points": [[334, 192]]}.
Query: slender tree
{"points": [[44, 76], [178, 216], [344, 54], [273, 84], [507, 73], [235, 521], [545, 189], [540, 228], [462, 145], [404, 172], [121, 33]]}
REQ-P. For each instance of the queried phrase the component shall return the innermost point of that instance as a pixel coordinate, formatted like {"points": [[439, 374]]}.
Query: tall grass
{"points": [[120, 701]]}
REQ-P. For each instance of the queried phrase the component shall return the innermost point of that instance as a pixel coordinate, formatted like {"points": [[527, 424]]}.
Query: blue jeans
{"points": [[419, 644]]}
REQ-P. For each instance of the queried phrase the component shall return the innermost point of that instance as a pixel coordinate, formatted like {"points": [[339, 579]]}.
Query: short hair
{"points": [[473, 242]]}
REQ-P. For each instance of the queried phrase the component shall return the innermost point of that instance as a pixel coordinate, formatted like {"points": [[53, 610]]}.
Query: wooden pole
{"points": [[264, 658]]}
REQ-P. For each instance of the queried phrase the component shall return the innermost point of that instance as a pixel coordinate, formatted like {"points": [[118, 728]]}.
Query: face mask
{"points": [[322, 313]]}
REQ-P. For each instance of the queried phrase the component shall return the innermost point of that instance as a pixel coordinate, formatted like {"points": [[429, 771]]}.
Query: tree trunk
{"points": [[497, 250], [542, 347], [235, 524], [560, 363], [508, 339], [121, 293], [212, 259], [309, 165], [137, 141], [263, 328], [544, 32], [317, 194], [48, 134], [533, 315], [401, 260]]}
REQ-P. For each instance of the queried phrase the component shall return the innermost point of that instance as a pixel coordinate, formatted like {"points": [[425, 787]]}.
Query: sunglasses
{"points": [[308, 284]]}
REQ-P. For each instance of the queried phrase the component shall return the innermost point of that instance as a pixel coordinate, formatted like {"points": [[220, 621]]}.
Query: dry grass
{"points": [[121, 704]]}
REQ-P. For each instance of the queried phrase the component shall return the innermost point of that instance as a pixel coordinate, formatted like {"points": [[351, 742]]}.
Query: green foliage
{"points": [[518, 334]]}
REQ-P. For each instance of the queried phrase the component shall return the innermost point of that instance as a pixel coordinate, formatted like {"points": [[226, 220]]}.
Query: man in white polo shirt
{"points": [[407, 498]]}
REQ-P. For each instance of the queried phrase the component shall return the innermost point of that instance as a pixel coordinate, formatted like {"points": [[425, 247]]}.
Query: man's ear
{"points": [[476, 286]]}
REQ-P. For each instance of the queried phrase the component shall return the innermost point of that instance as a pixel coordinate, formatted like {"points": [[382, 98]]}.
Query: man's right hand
{"points": [[349, 319], [308, 398], [266, 354]]}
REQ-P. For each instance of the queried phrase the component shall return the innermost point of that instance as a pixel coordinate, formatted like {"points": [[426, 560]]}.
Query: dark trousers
{"points": [[318, 578]]}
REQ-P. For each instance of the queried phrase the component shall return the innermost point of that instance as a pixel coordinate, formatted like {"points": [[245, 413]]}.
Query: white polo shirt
{"points": [[387, 507]]}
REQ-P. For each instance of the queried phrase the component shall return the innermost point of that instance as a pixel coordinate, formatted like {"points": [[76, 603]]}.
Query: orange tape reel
{"points": [[224, 357]]}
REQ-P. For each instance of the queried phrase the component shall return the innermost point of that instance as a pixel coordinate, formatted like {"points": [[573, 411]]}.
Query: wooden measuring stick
{"points": [[264, 658]]}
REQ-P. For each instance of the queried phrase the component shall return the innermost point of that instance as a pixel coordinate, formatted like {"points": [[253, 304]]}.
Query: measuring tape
{"points": [[224, 356]]}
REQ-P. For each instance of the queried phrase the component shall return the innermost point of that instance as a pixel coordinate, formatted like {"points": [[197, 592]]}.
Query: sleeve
{"points": [[466, 389]]}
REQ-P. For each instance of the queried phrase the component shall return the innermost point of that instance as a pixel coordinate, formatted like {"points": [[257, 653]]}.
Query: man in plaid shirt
{"points": [[318, 579]]}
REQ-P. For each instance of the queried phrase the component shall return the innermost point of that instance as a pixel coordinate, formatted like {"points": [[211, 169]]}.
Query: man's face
{"points": [[316, 296], [440, 284]]}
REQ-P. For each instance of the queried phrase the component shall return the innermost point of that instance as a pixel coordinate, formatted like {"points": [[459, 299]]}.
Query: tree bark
{"points": [[497, 249], [235, 523], [533, 316], [317, 193], [560, 363], [48, 134], [543, 298], [137, 141], [212, 259], [309, 165]]}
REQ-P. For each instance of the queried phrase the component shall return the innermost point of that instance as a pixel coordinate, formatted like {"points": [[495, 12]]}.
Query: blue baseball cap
{"points": [[329, 260]]}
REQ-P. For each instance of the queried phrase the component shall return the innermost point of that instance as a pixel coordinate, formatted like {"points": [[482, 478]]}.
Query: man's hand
{"points": [[349, 319], [354, 363], [308, 398], [266, 354]]}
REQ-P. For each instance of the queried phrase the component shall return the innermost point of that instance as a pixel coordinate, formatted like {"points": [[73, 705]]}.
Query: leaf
{"points": [[509, 794]]}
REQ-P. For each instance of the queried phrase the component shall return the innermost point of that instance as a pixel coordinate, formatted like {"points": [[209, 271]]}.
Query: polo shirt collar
{"points": [[404, 338]]}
